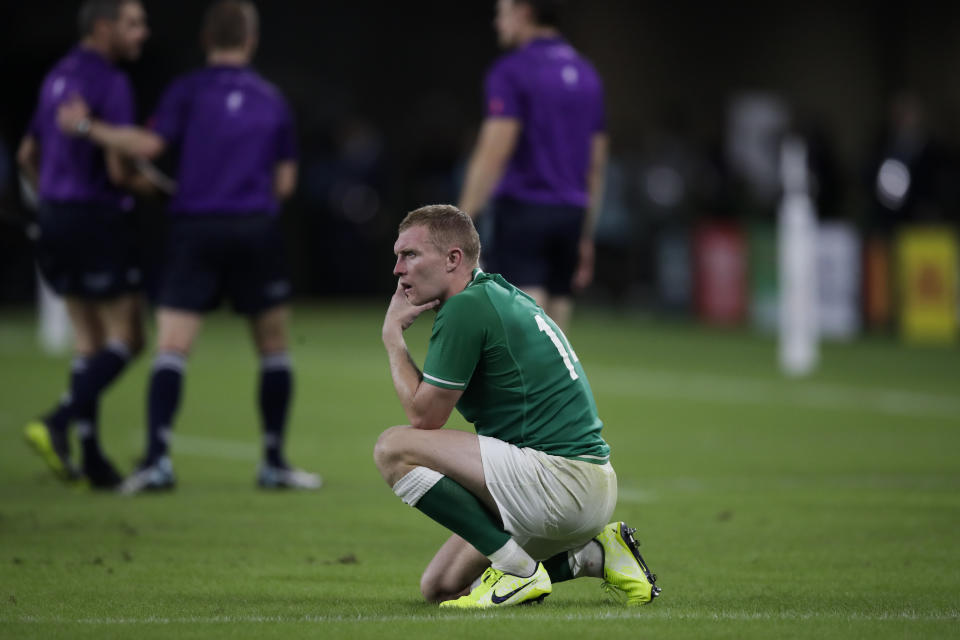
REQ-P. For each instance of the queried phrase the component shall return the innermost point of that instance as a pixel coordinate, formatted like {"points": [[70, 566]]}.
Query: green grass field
{"points": [[826, 508]]}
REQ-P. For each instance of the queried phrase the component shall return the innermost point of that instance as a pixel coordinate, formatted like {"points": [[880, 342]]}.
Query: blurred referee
{"points": [[541, 155], [86, 248], [235, 140]]}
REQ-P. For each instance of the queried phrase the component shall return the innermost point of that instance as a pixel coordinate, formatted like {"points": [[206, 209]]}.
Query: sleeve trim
{"points": [[441, 381]]}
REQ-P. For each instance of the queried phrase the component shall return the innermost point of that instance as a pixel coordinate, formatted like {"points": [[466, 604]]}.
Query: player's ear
{"points": [[454, 258]]}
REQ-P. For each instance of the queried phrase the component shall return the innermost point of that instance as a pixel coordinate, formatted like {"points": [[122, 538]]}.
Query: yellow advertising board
{"points": [[928, 284]]}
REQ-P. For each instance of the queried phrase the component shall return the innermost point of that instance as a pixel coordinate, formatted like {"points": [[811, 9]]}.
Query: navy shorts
{"points": [[208, 257], [536, 245], [88, 250]]}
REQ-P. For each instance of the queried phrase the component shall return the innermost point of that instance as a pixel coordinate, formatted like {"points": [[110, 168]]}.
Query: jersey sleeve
{"points": [[170, 117], [286, 134], [117, 107], [502, 93], [456, 343]]}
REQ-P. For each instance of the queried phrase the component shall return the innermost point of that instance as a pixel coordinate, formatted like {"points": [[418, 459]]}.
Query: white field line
{"points": [[777, 392], [181, 444], [732, 616]]}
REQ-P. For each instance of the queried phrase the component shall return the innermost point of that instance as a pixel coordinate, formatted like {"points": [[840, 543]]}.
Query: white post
{"points": [[53, 329], [53, 325], [797, 231]]}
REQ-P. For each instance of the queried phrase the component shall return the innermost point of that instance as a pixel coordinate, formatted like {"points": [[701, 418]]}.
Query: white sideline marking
{"points": [[733, 616], [776, 392]]}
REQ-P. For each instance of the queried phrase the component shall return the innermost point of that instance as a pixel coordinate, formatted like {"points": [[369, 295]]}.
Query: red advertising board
{"points": [[721, 273]]}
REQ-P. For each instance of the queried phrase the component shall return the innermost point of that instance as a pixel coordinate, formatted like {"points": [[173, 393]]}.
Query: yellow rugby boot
{"points": [[53, 448], [625, 575], [501, 589]]}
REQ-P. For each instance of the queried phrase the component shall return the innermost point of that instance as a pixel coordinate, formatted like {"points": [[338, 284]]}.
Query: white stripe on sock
{"points": [[84, 429], [411, 487], [170, 360], [275, 361], [119, 349]]}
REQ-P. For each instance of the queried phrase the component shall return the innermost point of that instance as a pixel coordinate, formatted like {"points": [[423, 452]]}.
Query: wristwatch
{"points": [[82, 128]]}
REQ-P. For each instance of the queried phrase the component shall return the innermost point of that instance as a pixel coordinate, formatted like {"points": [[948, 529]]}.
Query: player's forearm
{"points": [[285, 180], [596, 183], [28, 160], [408, 382], [129, 140], [31, 174], [483, 174], [405, 374], [140, 185], [495, 145]]}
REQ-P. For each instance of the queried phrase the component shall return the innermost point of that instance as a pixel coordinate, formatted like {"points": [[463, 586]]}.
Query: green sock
{"points": [[558, 567], [449, 504]]}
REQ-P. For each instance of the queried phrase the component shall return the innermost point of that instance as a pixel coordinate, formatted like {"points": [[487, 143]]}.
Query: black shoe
{"points": [[101, 473]]}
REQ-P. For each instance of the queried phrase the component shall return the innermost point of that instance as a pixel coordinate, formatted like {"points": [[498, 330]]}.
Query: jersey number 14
{"points": [[563, 347]]}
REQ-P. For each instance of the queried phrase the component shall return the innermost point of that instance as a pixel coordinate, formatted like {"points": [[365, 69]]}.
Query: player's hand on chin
{"points": [[401, 314]]}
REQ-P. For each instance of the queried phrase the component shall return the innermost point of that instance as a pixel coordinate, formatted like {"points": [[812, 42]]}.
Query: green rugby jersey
{"points": [[522, 382]]}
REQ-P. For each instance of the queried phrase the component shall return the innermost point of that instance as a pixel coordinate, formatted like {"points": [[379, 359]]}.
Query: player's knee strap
{"points": [[411, 487]]}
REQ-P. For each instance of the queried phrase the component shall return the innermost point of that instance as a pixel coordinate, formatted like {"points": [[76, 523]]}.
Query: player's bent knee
{"points": [[430, 591], [434, 588], [387, 451]]}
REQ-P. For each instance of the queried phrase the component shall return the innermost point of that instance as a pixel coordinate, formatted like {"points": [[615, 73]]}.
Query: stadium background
{"points": [[770, 507], [387, 97]]}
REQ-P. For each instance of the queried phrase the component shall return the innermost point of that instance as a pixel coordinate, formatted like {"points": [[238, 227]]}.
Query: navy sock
{"points": [[88, 382], [59, 417], [163, 399], [85, 419], [276, 389]]}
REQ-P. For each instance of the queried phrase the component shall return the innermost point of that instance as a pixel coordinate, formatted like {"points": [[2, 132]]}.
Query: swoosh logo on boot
{"points": [[495, 599]]}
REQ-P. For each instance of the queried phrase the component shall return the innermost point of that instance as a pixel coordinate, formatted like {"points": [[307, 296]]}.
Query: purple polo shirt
{"points": [[558, 98], [232, 128], [73, 169]]}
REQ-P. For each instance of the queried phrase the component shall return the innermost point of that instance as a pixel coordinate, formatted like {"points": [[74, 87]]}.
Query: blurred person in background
{"points": [[908, 176], [540, 155], [237, 162], [86, 250]]}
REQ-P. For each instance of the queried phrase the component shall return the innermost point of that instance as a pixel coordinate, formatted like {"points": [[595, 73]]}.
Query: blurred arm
{"points": [[126, 147], [495, 145], [285, 179], [596, 180], [74, 119], [28, 159], [127, 140], [138, 175]]}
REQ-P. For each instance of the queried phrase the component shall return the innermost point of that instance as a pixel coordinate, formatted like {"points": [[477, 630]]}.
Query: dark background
{"points": [[387, 96]]}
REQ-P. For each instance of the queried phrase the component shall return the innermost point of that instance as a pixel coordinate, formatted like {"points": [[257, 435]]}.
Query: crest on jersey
{"points": [[570, 75], [234, 101]]}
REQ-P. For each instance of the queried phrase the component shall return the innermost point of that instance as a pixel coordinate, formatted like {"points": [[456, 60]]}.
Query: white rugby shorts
{"points": [[548, 503]]}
